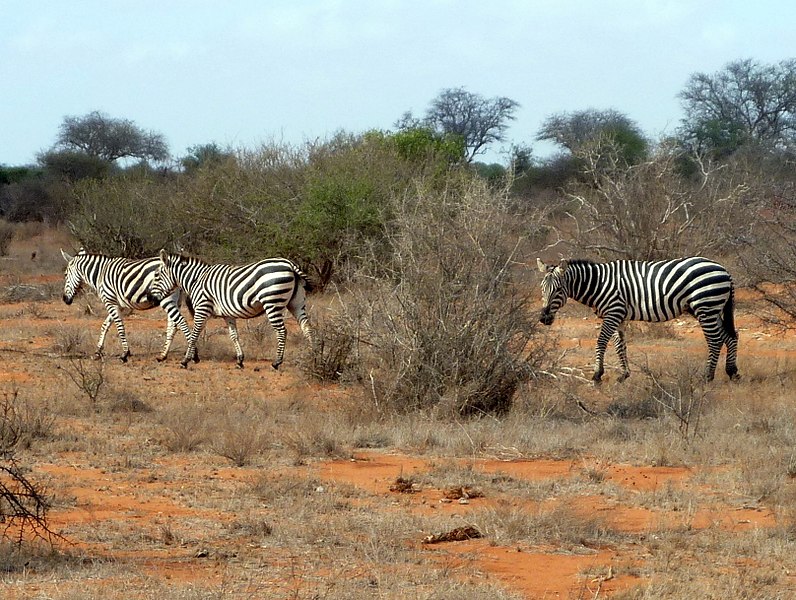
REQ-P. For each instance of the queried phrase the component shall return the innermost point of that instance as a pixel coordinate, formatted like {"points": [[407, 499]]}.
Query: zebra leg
{"points": [[277, 320], [621, 350], [103, 332], [199, 320], [171, 306], [730, 366], [712, 328], [113, 313], [609, 327], [233, 335], [170, 329]]}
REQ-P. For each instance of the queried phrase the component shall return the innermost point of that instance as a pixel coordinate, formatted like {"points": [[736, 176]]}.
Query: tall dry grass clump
{"points": [[445, 319]]}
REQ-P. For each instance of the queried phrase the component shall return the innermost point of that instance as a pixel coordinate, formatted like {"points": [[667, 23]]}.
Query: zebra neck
{"points": [[187, 273], [585, 282], [90, 269]]}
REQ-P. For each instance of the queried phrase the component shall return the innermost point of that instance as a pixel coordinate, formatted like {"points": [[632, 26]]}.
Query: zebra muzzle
{"points": [[546, 317]]}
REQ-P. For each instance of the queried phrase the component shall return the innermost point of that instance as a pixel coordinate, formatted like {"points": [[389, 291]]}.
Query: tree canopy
{"points": [[572, 131], [746, 102], [477, 120], [101, 136]]}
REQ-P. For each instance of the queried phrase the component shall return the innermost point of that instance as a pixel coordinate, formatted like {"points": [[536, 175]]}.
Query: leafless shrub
{"points": [[681, 393], [88, 376], [335, 355], [126, 401], [769, 263], [239, 437], [649, 211], [23, 505], [70, 341], [312, 437], [449, 325], [26, 292], [186, 426], [22, 421]]}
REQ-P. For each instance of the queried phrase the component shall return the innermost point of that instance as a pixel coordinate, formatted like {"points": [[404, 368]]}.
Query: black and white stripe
{"points": [[647, 291], [236, 292], [121, 283]]}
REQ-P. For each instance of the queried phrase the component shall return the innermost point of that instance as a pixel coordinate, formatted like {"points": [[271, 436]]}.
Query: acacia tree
{"points": [[109, 139], [477, 120], [574, 131], [745, 103]]}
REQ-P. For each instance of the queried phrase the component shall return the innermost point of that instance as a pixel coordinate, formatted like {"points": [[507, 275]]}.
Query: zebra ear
{"points": [[541, 265], [66, 256], [164, 256], [562, 266]]}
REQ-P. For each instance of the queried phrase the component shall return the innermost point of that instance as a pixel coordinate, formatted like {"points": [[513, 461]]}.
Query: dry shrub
{"points": [[335, 355], [650, 211], [563, 525], [239, 436], [6, 235], [448, 322], [186, 427], [71, 341], [22, 422], [88, 376]]}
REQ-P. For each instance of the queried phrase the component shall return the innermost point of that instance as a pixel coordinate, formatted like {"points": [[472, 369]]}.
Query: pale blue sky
{"points": [[245, 72]]}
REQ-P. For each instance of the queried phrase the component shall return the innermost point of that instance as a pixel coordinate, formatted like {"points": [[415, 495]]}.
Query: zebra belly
{"points": [[237, 312], [654, 312]]}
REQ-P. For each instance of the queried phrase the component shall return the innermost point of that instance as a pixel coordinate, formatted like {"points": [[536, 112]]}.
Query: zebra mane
{"points": [[587, 262]]}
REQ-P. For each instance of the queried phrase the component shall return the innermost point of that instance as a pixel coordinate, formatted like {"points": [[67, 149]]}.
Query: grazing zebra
{"points": [[121, 283], [646, 291], [236, 292]]}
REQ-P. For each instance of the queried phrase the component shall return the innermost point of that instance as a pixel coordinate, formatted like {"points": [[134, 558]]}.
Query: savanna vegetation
{"points": [[427, 338]]}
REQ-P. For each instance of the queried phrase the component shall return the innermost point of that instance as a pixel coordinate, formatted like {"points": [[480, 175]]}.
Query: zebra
{"points": [[652, 291], [236, 292], [121, 283]]}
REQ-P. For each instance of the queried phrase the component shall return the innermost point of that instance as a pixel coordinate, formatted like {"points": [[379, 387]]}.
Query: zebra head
{"points": [[554, 293], [164, 282], [73, 276]]}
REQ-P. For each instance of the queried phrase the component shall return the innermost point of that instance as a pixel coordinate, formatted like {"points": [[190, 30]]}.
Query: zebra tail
{"points": [[728, 315], [303, 279]]}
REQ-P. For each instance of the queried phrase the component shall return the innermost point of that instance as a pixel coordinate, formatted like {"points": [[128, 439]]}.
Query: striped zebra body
{"points": [[236, 292], [651, 291], [121, 283]]}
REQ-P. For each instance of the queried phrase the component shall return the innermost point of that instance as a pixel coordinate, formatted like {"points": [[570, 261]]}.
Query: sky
{"points": [[243, 73]]}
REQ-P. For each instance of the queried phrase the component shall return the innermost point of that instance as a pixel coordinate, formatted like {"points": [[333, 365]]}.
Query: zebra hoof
{"points": [[735, 377], [275, 365], [239, 364], [97, 355], [124, 357], [622, 377], [161, 358], [183, 364]]}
